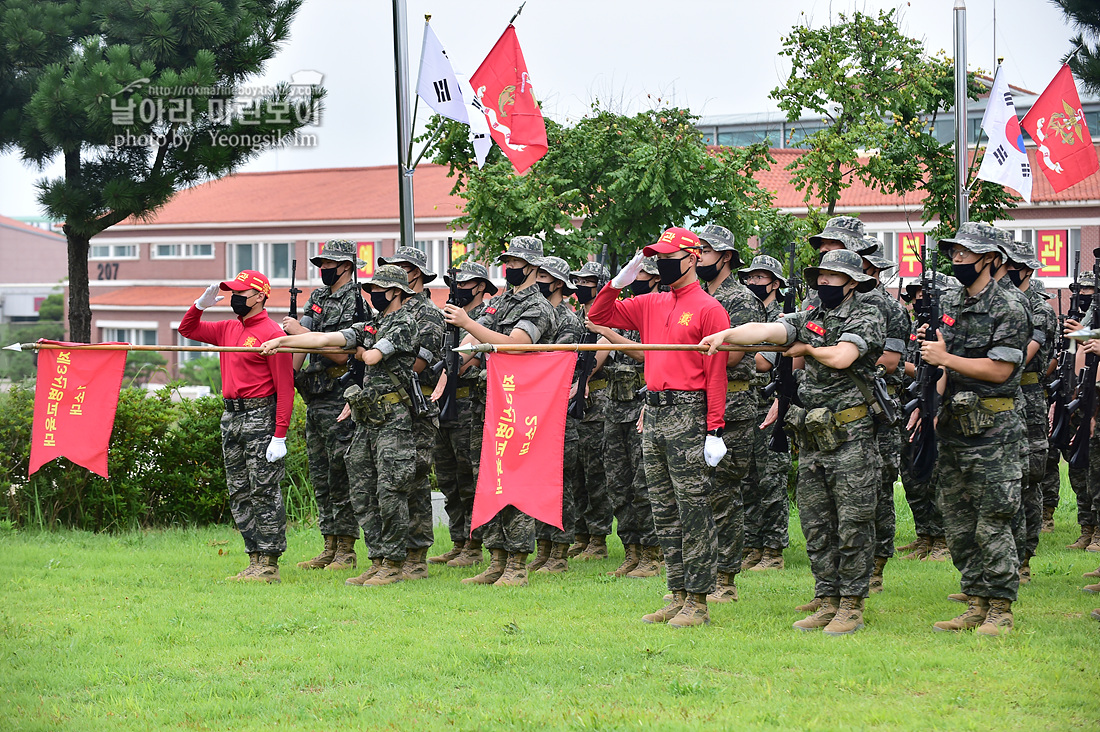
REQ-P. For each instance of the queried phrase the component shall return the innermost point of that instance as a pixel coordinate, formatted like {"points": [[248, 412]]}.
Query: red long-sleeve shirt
{"points": [[248, 375], [685, 315]]}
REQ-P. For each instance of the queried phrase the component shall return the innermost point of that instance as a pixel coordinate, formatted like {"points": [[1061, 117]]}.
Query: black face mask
{"points": [[761, 291], [966, 274], [641, 287], [330, 275], [707, 272], [379, 301], [240, 305], [1083, 302], [585, 295], [515, 275], [670, 270], [831, 295], [545, 288], [1016, 276], [462, 297]]}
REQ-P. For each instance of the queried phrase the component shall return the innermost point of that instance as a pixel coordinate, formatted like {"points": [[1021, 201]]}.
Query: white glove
{"points": [[714, 450], [209, 298], [629, 273], [276, 449]]}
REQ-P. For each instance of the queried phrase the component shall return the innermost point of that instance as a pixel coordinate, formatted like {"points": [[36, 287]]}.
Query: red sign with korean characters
{"points": [[522, 453], [1053, 252], [909, 248], [75, 398]]}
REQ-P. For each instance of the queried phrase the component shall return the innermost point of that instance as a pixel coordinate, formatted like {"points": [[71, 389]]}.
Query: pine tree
{"points": [[1084, 59]]}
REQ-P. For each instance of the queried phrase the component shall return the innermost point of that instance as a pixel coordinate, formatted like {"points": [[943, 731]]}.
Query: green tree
{"points": [[78, 76], [52, 308], [1084, 58]]}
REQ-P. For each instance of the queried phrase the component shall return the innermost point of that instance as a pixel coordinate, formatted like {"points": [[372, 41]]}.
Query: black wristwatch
{"points": [[717, 432]]}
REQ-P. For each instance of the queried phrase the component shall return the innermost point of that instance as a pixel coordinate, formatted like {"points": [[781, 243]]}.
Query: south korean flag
{"points": [[1005, 159], [450, 95]]}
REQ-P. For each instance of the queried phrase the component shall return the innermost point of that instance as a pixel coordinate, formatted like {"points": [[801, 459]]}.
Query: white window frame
{"points": [[262, 259], [114, 250], [130, 329], [187, 250]]}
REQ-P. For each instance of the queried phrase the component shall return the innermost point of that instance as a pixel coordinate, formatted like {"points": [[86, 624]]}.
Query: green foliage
{"points": [[1084, 56], [141, 365], [203, 371], [52, 308], [611, 181], [16, 365]]}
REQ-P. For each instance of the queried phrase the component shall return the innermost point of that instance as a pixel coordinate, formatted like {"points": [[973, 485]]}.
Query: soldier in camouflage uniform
{"points": [[1022, 264], [522, 315], [594, 509], [382, 457], [429, 322], [454, 453], [982, 340], [890, 437], [718, 258], [331, 307], [767, 507]]}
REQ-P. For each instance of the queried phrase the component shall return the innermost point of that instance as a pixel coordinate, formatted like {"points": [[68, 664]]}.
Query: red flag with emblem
{"points": [[1057, 124], [522, 453], [503, 92], [75, 398]]}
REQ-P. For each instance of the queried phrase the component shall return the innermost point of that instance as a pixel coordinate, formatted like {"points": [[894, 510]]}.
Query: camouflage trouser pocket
{"points": [[972, 417], [822, 430]]}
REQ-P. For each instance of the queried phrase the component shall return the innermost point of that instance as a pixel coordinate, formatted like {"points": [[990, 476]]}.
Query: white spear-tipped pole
{"points": [[961, 195]]}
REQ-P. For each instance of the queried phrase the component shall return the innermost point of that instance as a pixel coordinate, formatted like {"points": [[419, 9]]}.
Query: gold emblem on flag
{"points": [[507, 98]]}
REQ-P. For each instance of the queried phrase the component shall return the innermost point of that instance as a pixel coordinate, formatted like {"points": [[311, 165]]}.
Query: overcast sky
{"points": [[712, 56]]}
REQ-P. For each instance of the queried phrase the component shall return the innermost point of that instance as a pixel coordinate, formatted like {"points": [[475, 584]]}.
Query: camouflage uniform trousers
{"points": [[477, 439], [326, 444], [593, 505], [1033, 461], [255, 498], [978, 490], [921, 496], [680, 483], [1052, 478], [888, 442], [572, 454], [725, 499], [382, 466], [626, 484], [764, 490], [420, 493], [1088, 497], [454, 471], [837, 492]]}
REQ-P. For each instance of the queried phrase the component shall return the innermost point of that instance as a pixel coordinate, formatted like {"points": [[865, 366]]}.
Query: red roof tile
{"points": [[28, 228]]}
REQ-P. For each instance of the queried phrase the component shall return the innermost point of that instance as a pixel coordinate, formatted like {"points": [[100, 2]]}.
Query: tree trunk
{"points": [[80, 310]]}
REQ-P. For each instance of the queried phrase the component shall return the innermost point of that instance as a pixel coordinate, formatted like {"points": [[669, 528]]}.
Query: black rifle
{"points": [[924, 388], [1086, 392], [783, 384], [294, 291], [586, 362], [448, 406], [356, 368], [1063, 386]]}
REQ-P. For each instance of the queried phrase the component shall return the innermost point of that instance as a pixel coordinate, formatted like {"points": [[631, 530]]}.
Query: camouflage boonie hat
{"points": [[1023, 254], [527, 248], [413, 256], [848, 230], [1040, 288], [763, 263], [721, 240], [339, 250], [1084, 279], [977, 236], [389, 275], [556, 267], [940, 281], [472, 271], [873, 253], [649, 265], [842, 261], [593, 269]]}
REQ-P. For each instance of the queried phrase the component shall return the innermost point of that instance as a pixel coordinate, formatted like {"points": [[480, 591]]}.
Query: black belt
{"points": [[668, 398], [246, 405]]}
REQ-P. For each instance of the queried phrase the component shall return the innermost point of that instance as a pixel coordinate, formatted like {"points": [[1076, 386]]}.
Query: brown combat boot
{"points": [[497, 562], [557, 562], [1025, 571], [959, 597], [998, 621], [448, 555], [579, 545], [938, 552], [811, 606], [1093, 573], [632, 553], [345, 554], [876, 574], [693, 613], [415, 566], [253, 558], [649, 563], [1048, 520], [922, 548], [266, 569], [669, 611], [388, 574], [770, 559], [375, 565], [750, 557], [725, 589], [1091, 588], [1094, 545], [976, 610], [1084, 539], [1095, 614], [596, 549], [323, 559], [515, 571], [822, 616], [542, 553], [471, 555], [848, 619]]}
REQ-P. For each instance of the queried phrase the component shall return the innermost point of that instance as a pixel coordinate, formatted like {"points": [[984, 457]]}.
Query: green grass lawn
{"points": [[141, 631]]}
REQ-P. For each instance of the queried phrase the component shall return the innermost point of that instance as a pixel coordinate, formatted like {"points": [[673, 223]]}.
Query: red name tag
{"points": [[816, 328], [809, 307], [948, 320], [316, 308], [490, 311], [912, 336], [370, 329]]}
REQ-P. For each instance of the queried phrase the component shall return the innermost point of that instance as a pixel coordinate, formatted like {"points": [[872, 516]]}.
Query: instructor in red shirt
{"points": [[683, 418], [259, 396]]}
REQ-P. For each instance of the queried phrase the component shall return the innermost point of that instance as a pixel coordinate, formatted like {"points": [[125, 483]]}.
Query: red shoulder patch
{"points": [[370, 329], [820, 330], [490, 311], [948, 320], [912, 336], [809, 307]]}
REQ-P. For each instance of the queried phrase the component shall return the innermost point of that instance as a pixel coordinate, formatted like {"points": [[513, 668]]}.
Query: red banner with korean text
{"points": [[75, 398], [522, 454], [909, 247], [1053, 252]]}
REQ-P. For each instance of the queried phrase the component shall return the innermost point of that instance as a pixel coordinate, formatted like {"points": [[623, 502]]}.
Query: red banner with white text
{"points": [[75, 398], [522, 454]]}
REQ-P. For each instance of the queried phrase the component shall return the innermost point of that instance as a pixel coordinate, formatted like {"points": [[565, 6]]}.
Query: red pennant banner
{"points": [[522, 455], [1057, 124], [503, 92], [75, 398]]}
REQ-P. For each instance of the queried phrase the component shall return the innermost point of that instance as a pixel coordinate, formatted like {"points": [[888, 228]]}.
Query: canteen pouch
{"points": [[366, 408], [623, 382], [973, 418], [795, 424], [825, 435]]}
